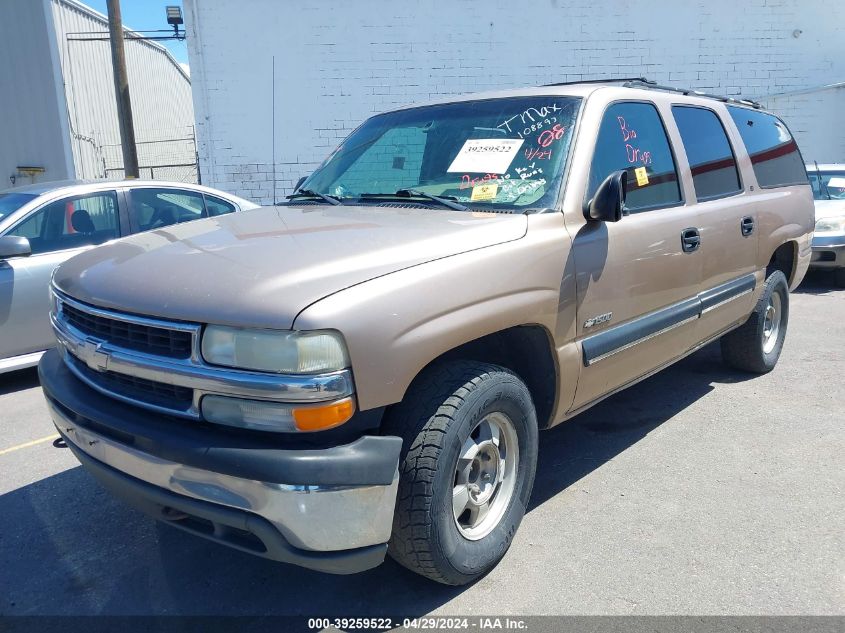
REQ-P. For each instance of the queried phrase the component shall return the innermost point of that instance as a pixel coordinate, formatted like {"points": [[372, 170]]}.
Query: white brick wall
{"points": [[339, 61]]}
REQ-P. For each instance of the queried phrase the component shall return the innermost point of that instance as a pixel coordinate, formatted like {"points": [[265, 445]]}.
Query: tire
{"points": [[447, 410], [839, 277], [755, 346]]}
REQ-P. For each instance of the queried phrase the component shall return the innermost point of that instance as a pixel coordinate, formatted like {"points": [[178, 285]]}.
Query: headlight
{"points": [[834, 224], [284, 352]]}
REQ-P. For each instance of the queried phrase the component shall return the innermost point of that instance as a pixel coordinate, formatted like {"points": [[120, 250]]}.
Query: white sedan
{"points": [[828, 183], [43, 225]]}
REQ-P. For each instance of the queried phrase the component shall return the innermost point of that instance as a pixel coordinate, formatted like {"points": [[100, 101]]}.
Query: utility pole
{"points": [[121, 89]]}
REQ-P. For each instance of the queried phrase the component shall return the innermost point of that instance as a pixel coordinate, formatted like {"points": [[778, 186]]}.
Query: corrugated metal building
{"points": [[57, 103]]}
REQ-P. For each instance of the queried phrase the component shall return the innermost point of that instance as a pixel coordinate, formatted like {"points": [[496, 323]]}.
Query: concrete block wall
{"points": [[337, 62]]}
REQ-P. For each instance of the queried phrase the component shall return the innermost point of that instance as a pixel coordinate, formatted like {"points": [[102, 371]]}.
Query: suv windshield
{"points": [[827, 185], [504, 154], [11, 202]]}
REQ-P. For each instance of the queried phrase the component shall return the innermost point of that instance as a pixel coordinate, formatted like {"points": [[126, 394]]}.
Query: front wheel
{"points": [[755, 346], [839, 277], [466, 470]]}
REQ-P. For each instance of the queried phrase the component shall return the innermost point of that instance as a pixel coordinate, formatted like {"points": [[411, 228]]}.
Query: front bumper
{"points": [[828, 252], [329, 509]]}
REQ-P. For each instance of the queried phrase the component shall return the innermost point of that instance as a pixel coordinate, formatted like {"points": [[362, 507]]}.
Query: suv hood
{"points": [[261, 267]]}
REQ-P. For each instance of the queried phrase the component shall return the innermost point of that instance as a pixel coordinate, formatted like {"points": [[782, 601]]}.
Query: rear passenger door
{"points": [[728, 221], [636, 284]]}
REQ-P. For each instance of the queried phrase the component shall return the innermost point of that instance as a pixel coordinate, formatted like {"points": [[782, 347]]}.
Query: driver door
{"points": [[56, 232], [636, 279]]}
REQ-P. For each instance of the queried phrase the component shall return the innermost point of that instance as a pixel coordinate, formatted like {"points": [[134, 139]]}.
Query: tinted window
{"points": [[774, 153], [632, 138], [157, 208], [71, 223], [216, 206], [711, 159]]}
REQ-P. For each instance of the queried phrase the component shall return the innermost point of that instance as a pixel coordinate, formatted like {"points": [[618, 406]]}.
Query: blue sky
{"points": [[147, 15]]}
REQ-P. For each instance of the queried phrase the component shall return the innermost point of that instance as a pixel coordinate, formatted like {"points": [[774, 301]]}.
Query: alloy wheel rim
{"points": [[485, 476], [771, 323]]}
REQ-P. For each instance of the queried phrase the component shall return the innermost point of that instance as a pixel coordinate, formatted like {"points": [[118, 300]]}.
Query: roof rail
{"points": [[642, 82], [651, 85], [599, 81]]}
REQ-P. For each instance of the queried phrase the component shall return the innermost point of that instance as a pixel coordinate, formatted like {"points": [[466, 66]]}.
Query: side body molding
{"points": [[626, 335]]}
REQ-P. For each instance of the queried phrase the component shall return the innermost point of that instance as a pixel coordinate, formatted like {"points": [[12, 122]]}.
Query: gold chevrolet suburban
{"points": [[365, 368]]}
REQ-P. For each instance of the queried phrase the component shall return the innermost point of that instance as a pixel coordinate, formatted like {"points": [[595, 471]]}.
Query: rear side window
{"points": [[157, 208], [216, 206], [774, 153], [632, 137], [711, 159]]}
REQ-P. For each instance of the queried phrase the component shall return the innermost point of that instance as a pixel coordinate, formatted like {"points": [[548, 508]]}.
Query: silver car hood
{"points": [[261, 267], [829, 208]]}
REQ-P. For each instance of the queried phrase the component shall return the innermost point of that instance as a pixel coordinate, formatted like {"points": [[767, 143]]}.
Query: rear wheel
{"points": [[755, 346], [466, 469]]}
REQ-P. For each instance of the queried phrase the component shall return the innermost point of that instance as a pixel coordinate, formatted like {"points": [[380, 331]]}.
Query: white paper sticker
{"points": [[486, 155], [836, 181]]}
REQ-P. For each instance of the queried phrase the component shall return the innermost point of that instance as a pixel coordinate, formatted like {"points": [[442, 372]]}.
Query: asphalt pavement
{"points": [[699, 491]]}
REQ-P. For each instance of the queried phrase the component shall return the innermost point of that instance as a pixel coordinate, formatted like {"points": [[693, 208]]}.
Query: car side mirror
{"points": [[14, 246], [608, 203], [299, 184]]}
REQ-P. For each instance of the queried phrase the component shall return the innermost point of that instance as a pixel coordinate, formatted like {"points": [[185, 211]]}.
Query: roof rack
{"points": [[642, 82], [599, 81]]}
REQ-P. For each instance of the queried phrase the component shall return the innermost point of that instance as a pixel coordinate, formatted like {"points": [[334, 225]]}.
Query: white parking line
{"points": [[11, 449]]}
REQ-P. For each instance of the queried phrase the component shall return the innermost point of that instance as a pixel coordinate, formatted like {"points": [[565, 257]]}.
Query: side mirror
{"points": [[299, 184], [14, 246], [609, 200]]}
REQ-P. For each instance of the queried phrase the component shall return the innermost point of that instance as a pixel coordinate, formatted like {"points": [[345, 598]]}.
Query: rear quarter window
{"points": [[774, 153]]}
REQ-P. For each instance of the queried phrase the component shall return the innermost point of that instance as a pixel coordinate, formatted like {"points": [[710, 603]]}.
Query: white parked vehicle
{"points": [[42, 225], [828, 183]]}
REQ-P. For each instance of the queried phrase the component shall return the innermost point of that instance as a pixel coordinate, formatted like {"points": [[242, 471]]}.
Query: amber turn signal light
{"points": [[325, 416]]}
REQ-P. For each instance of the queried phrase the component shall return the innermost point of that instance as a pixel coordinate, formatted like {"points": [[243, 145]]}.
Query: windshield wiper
{"points": [[310, 193], [407, 193]]}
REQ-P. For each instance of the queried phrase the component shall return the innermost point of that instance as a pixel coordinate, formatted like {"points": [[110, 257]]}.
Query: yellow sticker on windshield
{"points": [[642, 176], [484, 192]]}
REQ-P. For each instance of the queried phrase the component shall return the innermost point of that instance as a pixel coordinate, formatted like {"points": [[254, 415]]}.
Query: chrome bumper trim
{"points": [[316, 518]]}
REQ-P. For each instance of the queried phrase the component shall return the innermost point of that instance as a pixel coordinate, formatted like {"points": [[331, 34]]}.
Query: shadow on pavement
{"points": [[67, 547], [818, 282], [18, 380]]}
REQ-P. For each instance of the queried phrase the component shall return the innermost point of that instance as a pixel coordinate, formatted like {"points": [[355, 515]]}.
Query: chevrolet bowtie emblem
{"points": [[91, 353]]}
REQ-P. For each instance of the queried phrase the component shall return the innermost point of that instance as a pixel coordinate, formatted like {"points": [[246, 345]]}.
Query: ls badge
{"points": [[598, 320]]}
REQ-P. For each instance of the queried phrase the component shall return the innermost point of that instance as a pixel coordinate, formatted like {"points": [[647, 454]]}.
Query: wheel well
{"points": [[527, 351], [783, 259]]}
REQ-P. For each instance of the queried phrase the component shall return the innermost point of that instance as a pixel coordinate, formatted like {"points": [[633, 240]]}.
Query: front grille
{"points": [[134, 336], [151, 392]]}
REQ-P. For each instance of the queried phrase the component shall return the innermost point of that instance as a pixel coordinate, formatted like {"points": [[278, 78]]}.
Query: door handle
{"points": [[746, 225], [690, 240]]}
